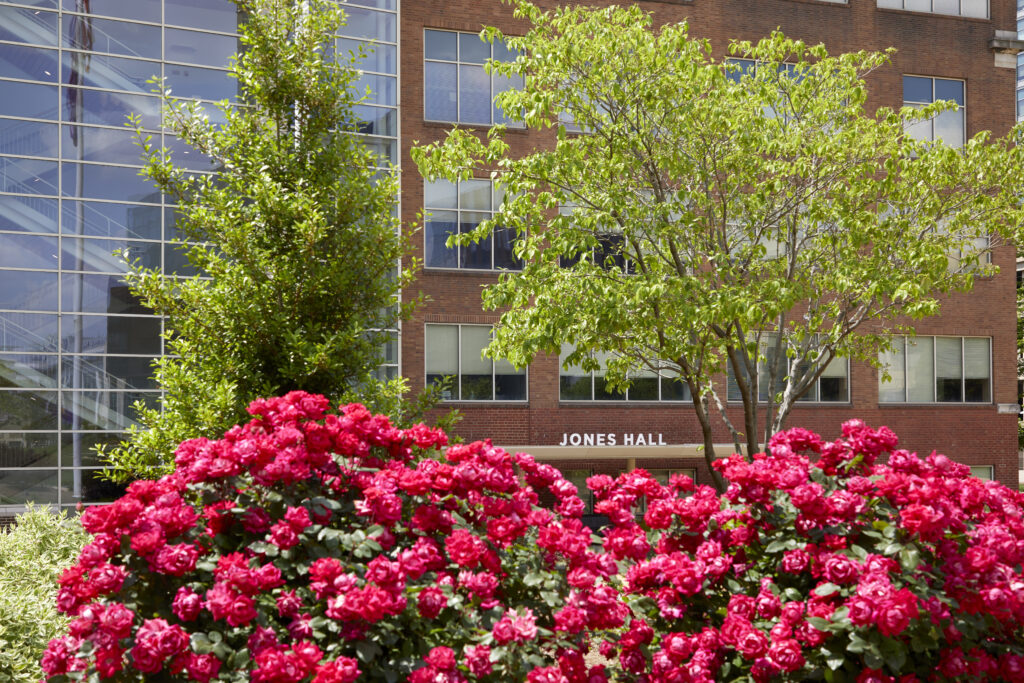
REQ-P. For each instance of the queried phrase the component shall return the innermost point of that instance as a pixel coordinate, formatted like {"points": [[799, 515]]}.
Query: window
{"points": [[833, 386], [963, 8], [609, 250], [577, 384], [456, 351], [937, 370], [983, 472], [949, 126], [456, 87], [458, 208]]}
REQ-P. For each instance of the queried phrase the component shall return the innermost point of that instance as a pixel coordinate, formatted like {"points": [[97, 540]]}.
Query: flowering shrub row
{"points": [[335, 547], [821, 563], [308, 546]]}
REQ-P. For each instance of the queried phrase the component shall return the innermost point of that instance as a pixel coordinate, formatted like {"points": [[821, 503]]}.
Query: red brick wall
{"points": [[928, 44]]}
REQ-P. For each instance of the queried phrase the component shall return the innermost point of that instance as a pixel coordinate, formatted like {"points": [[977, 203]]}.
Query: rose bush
{"points": [[334, 547], [820, 562]]}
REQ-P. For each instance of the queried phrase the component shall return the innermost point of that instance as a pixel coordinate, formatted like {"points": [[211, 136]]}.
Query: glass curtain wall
{"points": [[75, 345]]}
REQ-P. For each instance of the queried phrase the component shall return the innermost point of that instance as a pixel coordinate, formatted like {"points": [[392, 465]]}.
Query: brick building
{"points": [[75, 346]]}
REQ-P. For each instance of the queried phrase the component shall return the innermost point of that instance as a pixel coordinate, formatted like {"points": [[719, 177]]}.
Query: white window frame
{"points": [[459, 63], [496, 201], [963, 366], [914, 7], [457, 387]]}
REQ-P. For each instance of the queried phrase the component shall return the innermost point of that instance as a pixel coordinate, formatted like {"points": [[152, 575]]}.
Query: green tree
{"points": [[721, 211], [295, 229]]}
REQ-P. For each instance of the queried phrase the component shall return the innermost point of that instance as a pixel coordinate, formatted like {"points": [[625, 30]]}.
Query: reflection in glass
{"points": [[475, 254], [140, 10], [88, 485], [28, 176], [112, 108], [110, 334], [28, 332], [28, 138], [114, 37], [382, 89], [376, 56], [441, 45], [108, 182], [186, 156], [27, 449], [98, 255], [100, 294], [194, 47], [474, 95], [32, 410], [472, 49], [438, 227], [110, 145], [28, 63], [365, 23], [212, 15], [18, 486], [25, 290], [28, 251], [116, 73], [107, 372], [28, 214], [376, 120], [101, 219], [28, 26], [107, 410], [440, 84], [87, 441], [29, 100], [199, 83], [23, 371]]}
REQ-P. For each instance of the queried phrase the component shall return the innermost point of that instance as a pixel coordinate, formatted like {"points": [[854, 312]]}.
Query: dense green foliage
{"points": [[33, 553], [296, 230], [709, 209]]}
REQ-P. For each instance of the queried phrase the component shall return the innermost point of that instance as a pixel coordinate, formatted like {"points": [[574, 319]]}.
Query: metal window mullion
{"points": [[494, 379], [963, 371], [458, 361]]}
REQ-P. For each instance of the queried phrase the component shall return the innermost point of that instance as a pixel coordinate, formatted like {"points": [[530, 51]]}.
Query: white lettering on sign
{"points": [[611, 439]]}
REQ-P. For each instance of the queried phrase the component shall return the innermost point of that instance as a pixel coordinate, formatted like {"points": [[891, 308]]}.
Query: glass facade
{"points": [[75, 345]]}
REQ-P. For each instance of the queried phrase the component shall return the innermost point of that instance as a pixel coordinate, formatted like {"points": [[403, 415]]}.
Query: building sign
{"points": [[610, 439]]}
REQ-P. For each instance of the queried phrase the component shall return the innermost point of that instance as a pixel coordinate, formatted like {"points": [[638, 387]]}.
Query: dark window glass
{"points": [[28, 332], [113, 37], [28, 371], [108, 182], [946, 89], [573, 388], [212, 15], [28, 251], [101, 219], [476, 255], [441, 101], [109, 145], [917, 89], [89, 486], [602, 392], [193, 47], [98, 255], [84, 443], [186, 156], [28, 26], [98, 294], [26, 449], [140, 10], [28, 138], [832, 388], [510, 387], [472, 49], [27, 214], [104, 410], [110, 334], [199, 83], [107, 372], [29, 100], [28, 63], [376, 120], [674, 390], [504, 254], [32, 410], [176, 260], [24, 290], [643, 389], [439, 226], [18, 486], [977, 390]]}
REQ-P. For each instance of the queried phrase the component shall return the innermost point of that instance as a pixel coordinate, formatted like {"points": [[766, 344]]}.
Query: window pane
{"points": [[440, 102], [28, 251], [376, 120], [25, 449], [101, 219], [949, 127], [212, 15], [28, 332], [28, 63], [28, 26], [893, 391], [110, 334], [111, 109], [977, 385], [28, 176], [833, 383], [476, 371], [31, 410], [438, 227], [107, 372], [442, 355], [198, 48], [89, 487], [573, 383], [674, 389], [105, 410], [109, 145], [948, 369], [475, 194], [509, 383], [28, 214], [199, 83], [947, 89], [115, 73], [440, 45], [472, 49], [115, 37], [18, 486], [375, 56], [974, 8], [602, 392], [29, 100], [983, 472], [474, 95], [141, 10], [946, 6], [108, 182], [476, 254], [35, 371], [644, 387], [98, 294], [383, 89], [440, 194], [28, 291], [501, 84], [367, 23], [504, 253], [917, 89], [502, 53], [920, 370], [77, 448]]}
